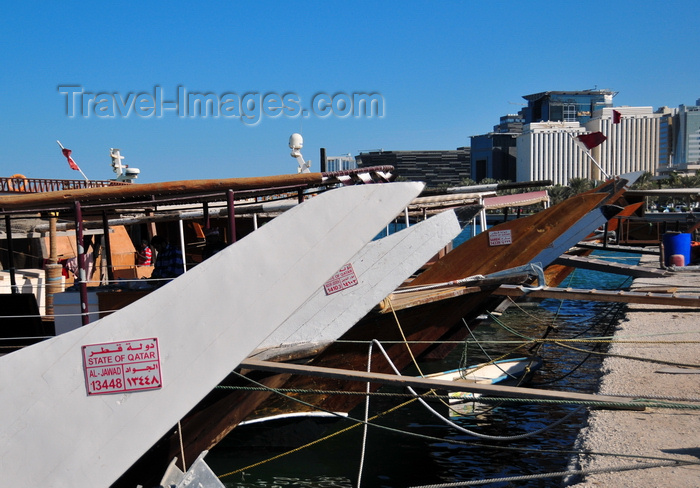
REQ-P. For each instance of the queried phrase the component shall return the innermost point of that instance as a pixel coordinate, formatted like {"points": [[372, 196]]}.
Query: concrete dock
{"points": [[629, 438]]}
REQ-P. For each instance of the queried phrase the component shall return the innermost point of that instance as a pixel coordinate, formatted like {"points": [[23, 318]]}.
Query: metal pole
{"points": [[54, 271], [323, 160], [205, 214], [231, 217], [11, 255], [82, 273], [182, 245], [108, 247]]}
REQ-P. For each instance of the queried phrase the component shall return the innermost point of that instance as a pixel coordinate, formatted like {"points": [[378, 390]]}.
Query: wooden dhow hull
{"points": [[375, 271], [57, 430], [419, 327]]}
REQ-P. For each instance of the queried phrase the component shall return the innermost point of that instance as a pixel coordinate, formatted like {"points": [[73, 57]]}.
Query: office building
{"points": [[687, 139], [566, 106], [494, 154], [632, 142], [435, 168], [548, 151], [340, 163]]}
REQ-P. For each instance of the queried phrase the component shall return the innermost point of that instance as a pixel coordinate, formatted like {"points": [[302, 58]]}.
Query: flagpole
{"points": [[81, 171], [588, 153]]}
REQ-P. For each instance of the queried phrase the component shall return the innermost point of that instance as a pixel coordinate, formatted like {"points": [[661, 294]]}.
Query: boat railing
{"points": [[21, 184]]}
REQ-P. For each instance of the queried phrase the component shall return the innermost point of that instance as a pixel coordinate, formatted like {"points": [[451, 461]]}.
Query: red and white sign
{"points": [[500, 238], [119, 367], [344, 278]]}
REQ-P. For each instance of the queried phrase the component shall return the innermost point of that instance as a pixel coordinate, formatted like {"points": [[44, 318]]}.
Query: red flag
{"points": [[617, 116], [71, 163], [591, 140]]}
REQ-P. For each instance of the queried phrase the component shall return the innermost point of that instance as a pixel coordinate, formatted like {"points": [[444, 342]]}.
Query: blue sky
{"points": [[444, 71]]}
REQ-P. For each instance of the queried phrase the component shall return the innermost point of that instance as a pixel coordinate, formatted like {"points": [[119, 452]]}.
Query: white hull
{"points": [[206, 322], [380, 267]]}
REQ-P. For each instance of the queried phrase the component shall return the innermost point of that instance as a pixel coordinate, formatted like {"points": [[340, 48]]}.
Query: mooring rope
{"points": [[468, 431], [412, 434], [559, 474]]}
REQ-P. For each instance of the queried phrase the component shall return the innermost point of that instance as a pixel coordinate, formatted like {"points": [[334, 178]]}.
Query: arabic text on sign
{"points": [[126, 366], [500, 238], [344, 278]]}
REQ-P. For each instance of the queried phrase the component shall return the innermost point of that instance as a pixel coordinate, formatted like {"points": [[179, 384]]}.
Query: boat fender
{"points": [[19, 180]]}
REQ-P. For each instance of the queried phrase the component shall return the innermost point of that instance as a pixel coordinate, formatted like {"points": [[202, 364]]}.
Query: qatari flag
{"points": [[617, 116], [591, 140], [67, 152]]}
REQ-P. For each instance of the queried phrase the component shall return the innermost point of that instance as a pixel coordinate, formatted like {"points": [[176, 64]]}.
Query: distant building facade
{"points": [[435, 168], [548, 151], [340, 163], [494, 154], [632, 144], [547, 148], [666, 145], [565, 106], [686, 137]]}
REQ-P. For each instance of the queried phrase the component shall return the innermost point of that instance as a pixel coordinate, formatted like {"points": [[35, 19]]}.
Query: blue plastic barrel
{"points": [[676, 243]]}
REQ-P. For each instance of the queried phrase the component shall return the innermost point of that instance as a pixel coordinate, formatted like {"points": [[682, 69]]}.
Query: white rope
{"points": [[366, 421], [471, 432]]}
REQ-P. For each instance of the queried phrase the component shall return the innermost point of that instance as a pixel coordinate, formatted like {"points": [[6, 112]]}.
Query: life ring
{"points": [[21, 185]]}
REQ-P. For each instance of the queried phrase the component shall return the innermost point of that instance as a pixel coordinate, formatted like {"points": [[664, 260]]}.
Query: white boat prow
{"points": [[372, 274], [59, 429]]}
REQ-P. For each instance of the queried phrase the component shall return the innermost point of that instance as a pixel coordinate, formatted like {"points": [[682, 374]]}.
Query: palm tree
{"points": [[580, 185]]}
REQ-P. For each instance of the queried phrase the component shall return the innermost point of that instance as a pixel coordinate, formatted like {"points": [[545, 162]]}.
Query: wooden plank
{"points": [[648, 298], [608, 267], [135, 190], [406, 297], [528, 237], [52, 433], [427, 383], [653, 251]]}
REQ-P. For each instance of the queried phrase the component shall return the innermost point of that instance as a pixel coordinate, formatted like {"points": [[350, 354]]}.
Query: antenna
{"points": [[296, 142], [124, 173]]}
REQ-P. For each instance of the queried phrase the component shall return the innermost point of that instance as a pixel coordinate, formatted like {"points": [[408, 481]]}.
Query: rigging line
{"points": [[558, 474], [486, 400], [423, 436], [491, 360], [579, 365], [403, 336], [623, 356], [317, 441], [489, 408], [471, 432], [365, 427]]}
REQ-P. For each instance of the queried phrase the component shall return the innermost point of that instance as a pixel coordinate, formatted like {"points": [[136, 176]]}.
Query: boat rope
{"points": [[643, 400], [640, 402], [534, 268], [561, 474], [366, 419], [403, 337], [468, 431], [356, 424], [564, 344], [422, 436], [182, 446], [625, 356]]}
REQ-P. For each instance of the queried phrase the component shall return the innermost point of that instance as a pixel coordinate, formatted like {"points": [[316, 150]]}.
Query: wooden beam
{"points": [[424, 383], [651, 250], [608, 267], [647, 298]]}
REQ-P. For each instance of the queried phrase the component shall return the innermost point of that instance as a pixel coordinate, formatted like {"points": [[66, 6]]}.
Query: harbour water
{"points": [[414, 447]]}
